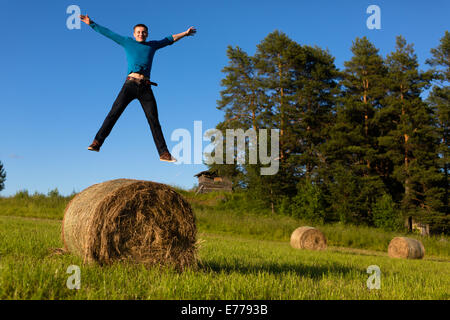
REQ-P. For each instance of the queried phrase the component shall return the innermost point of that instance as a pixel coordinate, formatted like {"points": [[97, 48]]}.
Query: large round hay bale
{"points": [[308, 238], [134, 220], [407, 248]]}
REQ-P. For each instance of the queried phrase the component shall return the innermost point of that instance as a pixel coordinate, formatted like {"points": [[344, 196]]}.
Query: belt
{"points": [[142, 81]]}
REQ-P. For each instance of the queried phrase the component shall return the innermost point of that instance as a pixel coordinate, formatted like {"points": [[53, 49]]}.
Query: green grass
{"points": [[244, 255], [35, 205], [281, 227], [232, 267], [214, 215]]}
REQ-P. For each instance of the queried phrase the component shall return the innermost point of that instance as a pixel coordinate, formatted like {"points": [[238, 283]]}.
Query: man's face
{"points": [[140, 34]]}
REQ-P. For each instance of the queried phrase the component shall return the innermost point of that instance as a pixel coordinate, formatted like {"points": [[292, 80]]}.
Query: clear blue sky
{"points": [[57, 85]]}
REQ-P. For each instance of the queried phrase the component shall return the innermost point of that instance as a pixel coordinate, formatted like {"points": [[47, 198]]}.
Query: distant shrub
{"points": [[54, 193], [309, 203], [22, 194], [285, 206], [385, 215]]}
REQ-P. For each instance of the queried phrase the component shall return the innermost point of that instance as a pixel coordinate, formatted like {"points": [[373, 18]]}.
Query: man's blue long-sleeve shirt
{"points": [[139, 54]]}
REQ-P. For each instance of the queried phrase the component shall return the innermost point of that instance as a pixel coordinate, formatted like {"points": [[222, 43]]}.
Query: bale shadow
{"points": [[314, 272]]}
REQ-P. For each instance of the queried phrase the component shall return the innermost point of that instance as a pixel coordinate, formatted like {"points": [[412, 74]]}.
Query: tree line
{"points": [[360, 145]]}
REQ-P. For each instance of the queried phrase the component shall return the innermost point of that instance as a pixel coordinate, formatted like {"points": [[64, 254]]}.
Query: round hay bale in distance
{"points": [[308, 238], [136, 220], [406, 248]]}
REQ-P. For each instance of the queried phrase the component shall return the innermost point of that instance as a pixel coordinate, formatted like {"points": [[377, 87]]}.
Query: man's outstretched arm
{"points": [[104, 31], [173, 38], [189, 32]]}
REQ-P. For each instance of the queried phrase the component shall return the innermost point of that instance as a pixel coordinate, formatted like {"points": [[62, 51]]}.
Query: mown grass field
{"points": [[243, 256]]}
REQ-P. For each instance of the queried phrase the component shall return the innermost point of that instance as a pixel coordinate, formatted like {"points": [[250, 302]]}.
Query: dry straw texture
{"points": [[124, 219], [407, 248], [308, 238]]}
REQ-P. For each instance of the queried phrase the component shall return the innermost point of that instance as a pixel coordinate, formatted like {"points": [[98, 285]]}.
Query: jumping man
{"points": [[137, 85]]}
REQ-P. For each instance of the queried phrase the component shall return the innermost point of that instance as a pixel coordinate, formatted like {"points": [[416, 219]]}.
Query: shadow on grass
{"points": [[314, 272]]}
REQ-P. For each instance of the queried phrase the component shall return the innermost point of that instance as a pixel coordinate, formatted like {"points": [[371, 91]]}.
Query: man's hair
{"points": [[141, 25]]}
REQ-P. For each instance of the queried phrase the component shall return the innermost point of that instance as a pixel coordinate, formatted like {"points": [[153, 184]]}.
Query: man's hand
{"points": [[191, 31], [85, 19]]}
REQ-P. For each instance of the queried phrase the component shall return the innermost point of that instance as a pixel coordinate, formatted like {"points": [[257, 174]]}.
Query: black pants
{"points": [[130, 91]]}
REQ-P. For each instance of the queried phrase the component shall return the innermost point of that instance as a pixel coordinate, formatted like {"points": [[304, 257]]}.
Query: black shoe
{"points": [[95, 146], [166, 156]]}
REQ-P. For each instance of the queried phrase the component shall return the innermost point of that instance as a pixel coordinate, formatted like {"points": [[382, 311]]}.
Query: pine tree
{"points": [[275, 61], [240, 99], [2, 177], [353, 183], [439, 100], [412, 143], [310, 119], [310, 115]]}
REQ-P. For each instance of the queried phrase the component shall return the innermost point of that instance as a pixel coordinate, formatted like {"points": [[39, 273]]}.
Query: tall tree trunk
{"points": [[406, 159], [280, 75], [444, 143], [366, 116], [271, 201], [254, 116], [308, 129]]}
